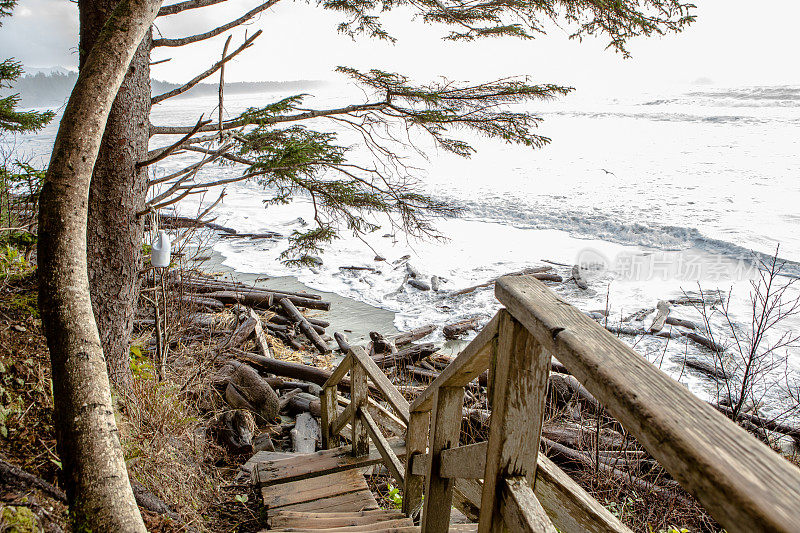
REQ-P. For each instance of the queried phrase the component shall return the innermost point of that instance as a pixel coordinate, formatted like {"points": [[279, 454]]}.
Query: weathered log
{"points": [[341, 340], [239, 335], [278, 328], [306, 433], [712, 369], [265, 235], [235, 429], [13, 476], [625, 330], [759, 421], [310, 388], [578, 436], [413, 272], [202, 284], [688, 324], [422, 373], [264, 300], [455, 330], [435, 283], [413, 335], [359, 268], [419, 284], [304, 402], [147, 500], [202, 301], [318, 324], [262, 343], [288, 339], [409, 354], [703, 341], [662, 311], [577, 276], [289, 369], [246, 389], [560, 453], [307, 329], [567, 387]]}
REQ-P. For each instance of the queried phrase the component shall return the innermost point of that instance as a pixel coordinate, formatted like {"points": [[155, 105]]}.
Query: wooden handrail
{"points": [[745, 485]]}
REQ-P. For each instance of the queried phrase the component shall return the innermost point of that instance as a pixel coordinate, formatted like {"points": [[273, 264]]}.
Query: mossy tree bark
{"points": [[96, 480], [118, 191]]}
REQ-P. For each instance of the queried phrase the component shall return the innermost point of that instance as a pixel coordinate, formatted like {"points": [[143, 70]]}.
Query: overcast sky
{"points": [[733, 43]]}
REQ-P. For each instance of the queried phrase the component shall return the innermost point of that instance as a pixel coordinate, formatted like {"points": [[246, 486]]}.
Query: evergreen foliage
{"points": [[11, 119], [619, 20], [19, 182]]}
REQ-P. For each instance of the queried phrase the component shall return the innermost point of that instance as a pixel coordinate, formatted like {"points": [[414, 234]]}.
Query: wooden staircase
{"points": [[504, 482]]}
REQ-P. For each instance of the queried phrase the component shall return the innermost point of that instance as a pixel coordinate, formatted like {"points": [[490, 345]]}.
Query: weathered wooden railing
{"points": [[740, 481], [360, 412]]}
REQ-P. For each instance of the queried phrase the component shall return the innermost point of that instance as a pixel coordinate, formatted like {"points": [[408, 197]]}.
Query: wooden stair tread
{"points": [[306, 490], [319, 526], [304, 466]]}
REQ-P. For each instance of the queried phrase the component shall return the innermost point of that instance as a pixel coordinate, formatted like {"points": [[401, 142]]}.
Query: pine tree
{"points": [[12, 120]]}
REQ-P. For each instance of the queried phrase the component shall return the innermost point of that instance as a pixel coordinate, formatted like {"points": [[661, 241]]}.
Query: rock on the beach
{"points": [[435, 283]]}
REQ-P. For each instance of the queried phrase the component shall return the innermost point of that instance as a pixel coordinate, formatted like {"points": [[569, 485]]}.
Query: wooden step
{"points": [[320, 525], [337, 492], [304, 466]]}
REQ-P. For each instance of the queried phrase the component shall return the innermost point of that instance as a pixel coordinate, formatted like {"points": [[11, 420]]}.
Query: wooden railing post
{"points": [[416, 444], [358, 399], [521, 370], [329, 412], [445, 432]]}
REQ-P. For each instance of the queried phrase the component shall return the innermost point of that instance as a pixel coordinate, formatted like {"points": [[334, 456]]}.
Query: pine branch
{"points": [[216, 31], [180, 7], [200, 77]]}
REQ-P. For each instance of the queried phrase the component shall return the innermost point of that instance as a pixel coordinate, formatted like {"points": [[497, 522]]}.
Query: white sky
{"points": [[733, 43]]}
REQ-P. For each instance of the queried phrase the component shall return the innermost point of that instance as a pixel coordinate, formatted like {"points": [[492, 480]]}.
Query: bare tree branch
{"points": [[306, 115], [216, 31], [155, 156], [229, 157], [200, 77], [222, 84], [180, 7]]}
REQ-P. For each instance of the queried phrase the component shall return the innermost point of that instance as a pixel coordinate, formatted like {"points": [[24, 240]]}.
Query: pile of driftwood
{"points": [[286, 322]]}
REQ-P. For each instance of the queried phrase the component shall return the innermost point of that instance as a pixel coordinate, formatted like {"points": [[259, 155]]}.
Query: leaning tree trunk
{"points": [[95, 477], [117, 193]]}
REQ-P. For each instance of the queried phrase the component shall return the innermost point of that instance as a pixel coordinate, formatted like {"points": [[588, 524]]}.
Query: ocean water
{"points": [[676, 192]]}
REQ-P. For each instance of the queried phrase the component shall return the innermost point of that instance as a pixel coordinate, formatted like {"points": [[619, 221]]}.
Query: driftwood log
{"points": [[457, 329], [305, 434], [662, 311], [265, 300], [408, 355], [577, 276], [304, 325], [413, 335]]}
